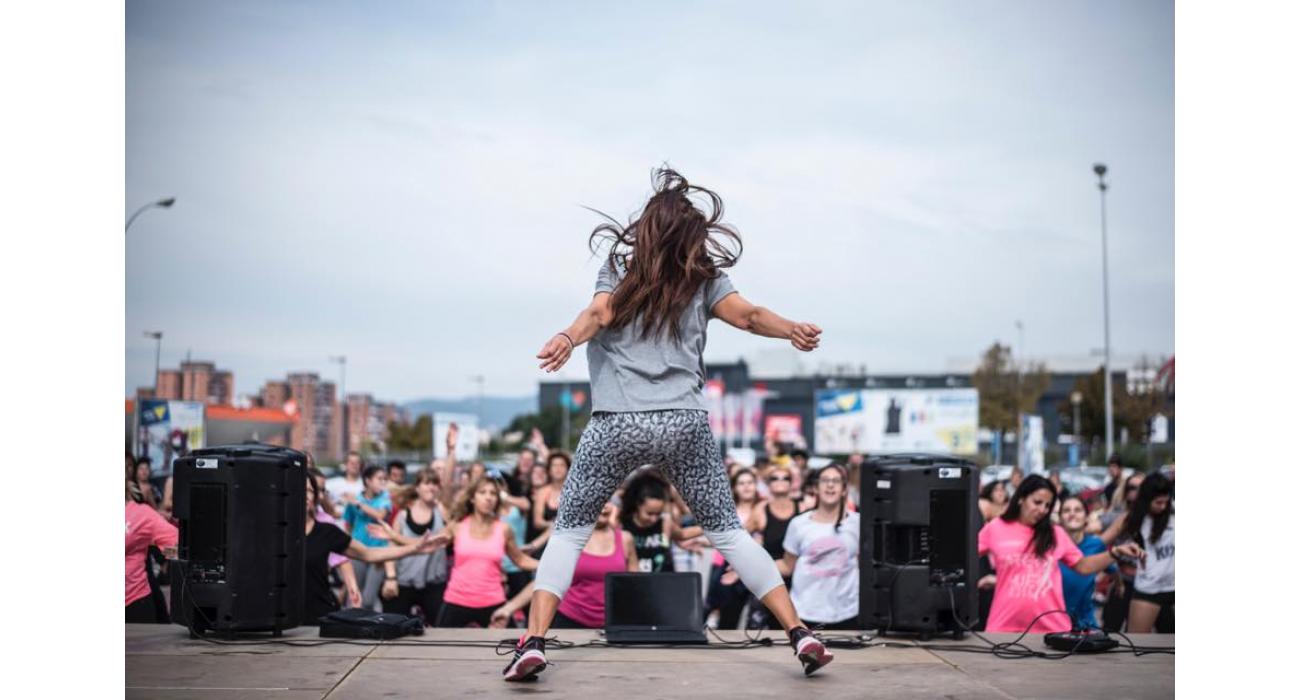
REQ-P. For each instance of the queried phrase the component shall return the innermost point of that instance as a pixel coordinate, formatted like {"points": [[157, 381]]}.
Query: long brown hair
{"points": [[668, 251], [464, 505]]}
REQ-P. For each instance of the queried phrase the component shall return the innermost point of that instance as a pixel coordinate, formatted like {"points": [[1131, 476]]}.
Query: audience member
{"points": [[145, 528], [369, 508], [821, 555], [1025, 547], [1150, 523]]}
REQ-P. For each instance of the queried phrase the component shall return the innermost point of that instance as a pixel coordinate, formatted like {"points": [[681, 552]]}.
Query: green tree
{"points": [[551, 421], [1133, 409], [1006, 391], [411, 437]]}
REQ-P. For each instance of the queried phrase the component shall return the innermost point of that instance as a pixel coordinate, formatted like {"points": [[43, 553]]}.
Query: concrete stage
{"points": [[163, 662]]}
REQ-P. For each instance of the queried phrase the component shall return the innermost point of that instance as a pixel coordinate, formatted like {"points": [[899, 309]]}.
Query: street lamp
{"points": [[157, 356], [1100, 169], [479, 379], [342, 361], [1076, 399], [162, 204], [1020, 342]]}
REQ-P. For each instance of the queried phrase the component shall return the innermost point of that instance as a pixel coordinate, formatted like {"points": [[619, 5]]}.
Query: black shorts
{"points": [[1164, 600], [453, 615]]}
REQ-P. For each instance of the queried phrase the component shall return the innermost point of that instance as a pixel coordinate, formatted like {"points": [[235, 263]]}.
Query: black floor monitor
{"points": [[657, 608]]}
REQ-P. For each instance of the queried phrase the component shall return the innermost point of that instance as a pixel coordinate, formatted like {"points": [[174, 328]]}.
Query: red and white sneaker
{"points": [[529, 659], [809, 650]]}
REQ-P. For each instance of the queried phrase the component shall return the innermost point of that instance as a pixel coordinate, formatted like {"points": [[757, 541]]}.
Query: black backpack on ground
{"points": [[359, 623]]}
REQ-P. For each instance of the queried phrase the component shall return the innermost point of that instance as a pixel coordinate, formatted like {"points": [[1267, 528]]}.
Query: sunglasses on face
{"points": [[779, 477], [830, 482]]}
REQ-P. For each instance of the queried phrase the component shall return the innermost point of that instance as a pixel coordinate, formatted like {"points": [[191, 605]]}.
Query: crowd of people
{"points": [[457, 544]]}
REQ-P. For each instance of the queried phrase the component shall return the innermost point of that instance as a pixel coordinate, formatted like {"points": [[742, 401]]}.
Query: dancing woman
{"points": [[662, 282]]}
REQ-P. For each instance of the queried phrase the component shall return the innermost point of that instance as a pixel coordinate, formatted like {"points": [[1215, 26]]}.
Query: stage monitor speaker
{"points": [[918, 564], [239, 565]]}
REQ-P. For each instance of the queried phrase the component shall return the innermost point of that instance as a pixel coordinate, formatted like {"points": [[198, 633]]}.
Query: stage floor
{"points": [[163, 662]]}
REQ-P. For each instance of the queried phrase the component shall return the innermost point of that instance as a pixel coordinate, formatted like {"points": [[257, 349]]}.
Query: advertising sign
{"points": [[168, 430], [466, 440], [785, 428], [896, 420], [1030, 440]]}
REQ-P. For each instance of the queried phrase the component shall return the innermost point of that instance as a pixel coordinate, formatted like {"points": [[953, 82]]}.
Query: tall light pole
{"points": [[1100, 169], [342, 361], [157, 357], [162, 204], [479, 379], [1020, 342]]}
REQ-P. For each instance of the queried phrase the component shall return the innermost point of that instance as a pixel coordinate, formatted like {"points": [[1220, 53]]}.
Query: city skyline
{"points": [[368, 185]]}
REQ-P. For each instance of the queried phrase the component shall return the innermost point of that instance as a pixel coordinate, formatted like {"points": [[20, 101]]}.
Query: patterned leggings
{"points": [[681, 444]]}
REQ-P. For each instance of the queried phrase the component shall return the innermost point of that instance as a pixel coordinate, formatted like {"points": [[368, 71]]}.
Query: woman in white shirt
{"points": [[821, 556], [1150, 522]]}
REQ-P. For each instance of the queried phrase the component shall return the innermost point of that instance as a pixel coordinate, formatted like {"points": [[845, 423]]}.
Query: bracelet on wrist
{"points": [[572, 344]]}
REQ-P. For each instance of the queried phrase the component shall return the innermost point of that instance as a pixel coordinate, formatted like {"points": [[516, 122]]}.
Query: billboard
{"points": [[785, 427], [896, 420], [1030, 441], [168, 430], [467, 439]]}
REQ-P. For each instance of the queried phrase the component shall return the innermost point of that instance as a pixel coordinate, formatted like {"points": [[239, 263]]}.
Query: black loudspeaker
{"points": [[239, 565], [920, 524]]}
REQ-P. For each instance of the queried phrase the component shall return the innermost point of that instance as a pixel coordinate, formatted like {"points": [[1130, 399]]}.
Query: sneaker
{"points": [[809, 649], [529, 659]]}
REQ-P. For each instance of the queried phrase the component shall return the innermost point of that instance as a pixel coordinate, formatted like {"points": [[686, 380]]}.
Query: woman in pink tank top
{"points": [[610, 549], [481, 539]]}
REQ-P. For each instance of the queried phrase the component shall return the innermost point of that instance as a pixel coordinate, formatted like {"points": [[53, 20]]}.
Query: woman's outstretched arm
{"points": [[759, 320], [557, 350]]}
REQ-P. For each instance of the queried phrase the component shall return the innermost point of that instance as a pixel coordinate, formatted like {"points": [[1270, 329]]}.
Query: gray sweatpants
{"points": [[680, 442]]}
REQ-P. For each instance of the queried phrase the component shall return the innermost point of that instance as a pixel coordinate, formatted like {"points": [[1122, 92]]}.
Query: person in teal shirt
{"points": [[1076, 587], [368, 508]]}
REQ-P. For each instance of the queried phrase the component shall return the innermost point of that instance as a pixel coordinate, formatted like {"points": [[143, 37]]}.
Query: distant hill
{"points": [[498, 411]]}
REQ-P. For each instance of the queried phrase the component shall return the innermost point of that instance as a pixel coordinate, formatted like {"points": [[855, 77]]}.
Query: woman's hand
{"points": [[500, 617], [805, 336], [987, 582], [354, 596], [389, 590], [1129, 550], [380, 530], [555, 353], [432, 542]]}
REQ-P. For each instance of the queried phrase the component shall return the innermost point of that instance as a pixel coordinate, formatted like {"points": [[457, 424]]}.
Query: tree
{"points": [[1135, 406], [1139, 402], [411, 437], [1006, 391], [551, 421]]}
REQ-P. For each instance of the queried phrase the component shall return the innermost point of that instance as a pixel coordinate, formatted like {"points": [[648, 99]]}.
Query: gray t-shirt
{"points": [[631, 374]]}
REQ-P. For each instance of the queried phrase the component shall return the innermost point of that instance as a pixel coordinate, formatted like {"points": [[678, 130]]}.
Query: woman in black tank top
{"points": [[644, 499], [769, 520]]}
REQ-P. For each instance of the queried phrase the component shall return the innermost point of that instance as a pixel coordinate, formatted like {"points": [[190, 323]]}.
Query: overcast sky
{"points": [[403, 183]]}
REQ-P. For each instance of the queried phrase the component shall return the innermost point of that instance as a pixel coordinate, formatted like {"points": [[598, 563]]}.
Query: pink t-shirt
{"points": [[476, 569], [322, 517], [584, 602], [144, 527], [1028, 586]]}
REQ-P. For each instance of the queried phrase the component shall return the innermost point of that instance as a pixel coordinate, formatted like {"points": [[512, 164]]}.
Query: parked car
{"points": [[1080, 480], [995, 472]]}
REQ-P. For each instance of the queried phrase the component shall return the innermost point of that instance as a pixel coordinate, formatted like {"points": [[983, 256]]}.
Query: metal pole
{"points": [[157, 357], [1100, 169], [342, 361]]}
